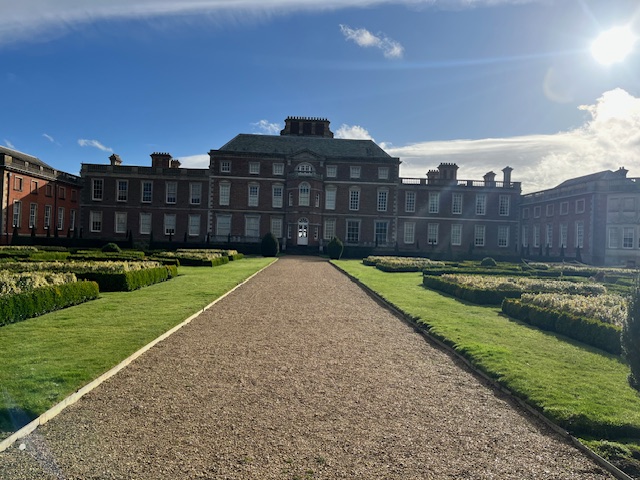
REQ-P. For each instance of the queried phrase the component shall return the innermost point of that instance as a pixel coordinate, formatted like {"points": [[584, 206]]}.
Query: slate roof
{"points": [[286, 145], [23, 156], [593, 177]]}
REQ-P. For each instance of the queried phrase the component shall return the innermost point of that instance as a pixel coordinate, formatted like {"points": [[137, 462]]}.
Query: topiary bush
{"points": [[630, 338], [488, 262], [269, 246], [111, 247], [335, 248]]}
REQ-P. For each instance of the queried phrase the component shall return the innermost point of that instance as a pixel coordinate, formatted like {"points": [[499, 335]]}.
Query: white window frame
{"points": [[146, 195], [254, 168], [628, 237], [409, 232], [276, 226], [481, 204], [195, 193], [503, 236], [72, 220], [525, 235], [536, 236], [330, 195], [409, 202], [456, 203], [579, 243], [354, 199], [352, 236], [252, 226], [564, 208], [120, 226], [95, 221], [564, 233], [145, 223], [122, 190], [580, 205], [97, 189], [549, 235], [224, 191], [332, 171], [383, 173], [355, 171], [277, 195], [278, 169], [223, 225], [225, 166], [253, 194], [383, 199], [33, 215], [60, 218], [381, 232], [433, 230], [48, 212], [304, 194], [614, 237], [434, 202], [504, 205], [479, 235], [171, 193], [329, 230], [456, 234], [169, 224], [194, 225]]}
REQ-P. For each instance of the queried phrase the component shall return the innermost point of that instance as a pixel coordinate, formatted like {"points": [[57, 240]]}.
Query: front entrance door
{"points": [[303, 231]]}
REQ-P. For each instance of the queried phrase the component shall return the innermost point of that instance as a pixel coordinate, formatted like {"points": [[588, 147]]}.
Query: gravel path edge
{"points": [[77, 395], [422, 330]]}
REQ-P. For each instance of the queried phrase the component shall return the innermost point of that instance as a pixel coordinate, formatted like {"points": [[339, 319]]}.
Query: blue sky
{"points": [[483, 83]]}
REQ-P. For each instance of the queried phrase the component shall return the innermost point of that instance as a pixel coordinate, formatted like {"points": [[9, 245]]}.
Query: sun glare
{"points": [[613, 45]]}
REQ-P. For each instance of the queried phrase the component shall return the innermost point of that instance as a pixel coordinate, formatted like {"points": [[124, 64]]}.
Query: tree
{"points": [[335, 248], [269, 246], [630, 338]]}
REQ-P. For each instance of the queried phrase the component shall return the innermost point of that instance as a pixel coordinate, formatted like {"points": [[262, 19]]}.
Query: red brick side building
{"points": [[37, 200]]}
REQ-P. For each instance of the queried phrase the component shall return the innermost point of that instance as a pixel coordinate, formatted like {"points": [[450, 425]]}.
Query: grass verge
{"points": [[581, 388], [45, 359]]}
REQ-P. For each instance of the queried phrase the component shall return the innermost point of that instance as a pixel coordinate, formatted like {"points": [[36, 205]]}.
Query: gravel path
{"points": [[296, 375]]}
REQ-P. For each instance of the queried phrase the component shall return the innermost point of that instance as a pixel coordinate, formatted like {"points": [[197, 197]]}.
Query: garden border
{"points": [[410, 321], [77, 395]]}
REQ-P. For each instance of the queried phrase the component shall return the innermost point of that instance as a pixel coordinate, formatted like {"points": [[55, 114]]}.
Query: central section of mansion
{"points": [[304, 186]]}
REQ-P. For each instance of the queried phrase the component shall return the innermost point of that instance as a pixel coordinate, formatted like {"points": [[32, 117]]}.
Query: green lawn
{"points": [[44, 359], [579, 387]]}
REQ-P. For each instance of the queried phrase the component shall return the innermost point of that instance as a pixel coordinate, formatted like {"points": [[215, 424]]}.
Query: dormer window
{"points": [[304, 169]]}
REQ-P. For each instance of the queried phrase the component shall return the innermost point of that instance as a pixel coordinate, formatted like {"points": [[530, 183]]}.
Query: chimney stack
{"points": [[115, 160], [160, 160], [507, 175]]}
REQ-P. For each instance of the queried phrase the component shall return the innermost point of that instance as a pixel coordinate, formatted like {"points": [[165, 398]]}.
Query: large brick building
{"points": [[37, 200]]}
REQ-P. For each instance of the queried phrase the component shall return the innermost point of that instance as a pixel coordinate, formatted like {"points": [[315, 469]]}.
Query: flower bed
{"points": [[400, 264]]}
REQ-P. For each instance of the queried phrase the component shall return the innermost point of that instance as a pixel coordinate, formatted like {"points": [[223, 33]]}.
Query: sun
{"points": [[613, 45]]}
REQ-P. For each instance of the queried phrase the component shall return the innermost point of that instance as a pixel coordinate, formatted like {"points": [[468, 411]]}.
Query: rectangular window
{"points": [[277, 192], [382, 200], [614, 237], [17, 184], [223, 225], [172, 192], [17, 213], [48, 190], [147, 191], [72, 220], [503, 236], [170, 224], [195, 193], [478, 237], [97, 189], [253, 195], [432, 233], [628, 237], [383, 173], [354, 199], [380, 230], [225, 193], [74, 195], [549, 236], [329, 228], [564, 208], [60, 218], [354, 172], [254, 168], [145, 223], [504, 205], [123, 190], [48, 210], [304, 192], [628, 204], [194, 225], [34, 187], [563, 234], [525, 235], [613, 204], [409, 232], [456, 203], [290, 199], [225, 166], [62, 193], [525, 213], [536, 236], [95, 221], [580, 206], [456, 234], [278, 168], [536, 211], [434, 202], [550, 210], [276, 227], [317, 202], [33, 215], [121, 222], [481, 204], [353, 231], [252, 226], [579, 234], [410, 202]]}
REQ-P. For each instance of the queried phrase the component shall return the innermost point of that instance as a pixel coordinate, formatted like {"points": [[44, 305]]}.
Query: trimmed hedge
{"points": [[474, 295], [586, 330], [18, 307], [128, 281], [236, 256]]}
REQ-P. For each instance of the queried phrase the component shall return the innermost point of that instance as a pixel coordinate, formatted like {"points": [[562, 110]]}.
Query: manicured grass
{"points": [[579, 387], [44, 359]]}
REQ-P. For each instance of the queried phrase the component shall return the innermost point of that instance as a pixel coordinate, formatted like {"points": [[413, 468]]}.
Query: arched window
{"points": [[304, 191]]}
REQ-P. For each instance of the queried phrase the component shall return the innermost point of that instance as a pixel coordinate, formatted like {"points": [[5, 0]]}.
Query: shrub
{"points": [[111, 247], [269, 246], [631, 337], [335, 248], [488, 262]]}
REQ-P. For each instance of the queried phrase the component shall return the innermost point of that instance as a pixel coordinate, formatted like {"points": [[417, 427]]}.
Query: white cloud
{"points": [[9, 144], [194, 161], [609, 139], [48, 137], [353, 132], [93, 143], [364, 38], [267, 128]]}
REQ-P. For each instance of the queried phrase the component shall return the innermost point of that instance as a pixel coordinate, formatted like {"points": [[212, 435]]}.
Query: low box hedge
{"points": [[18, 307], [474, 295], [604, 336], [132, 280]]}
